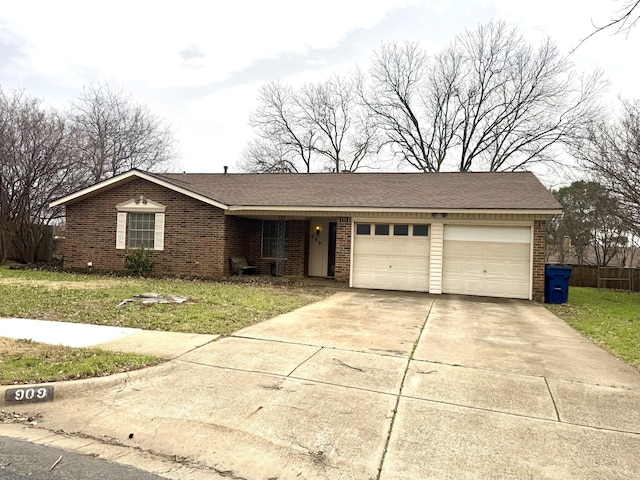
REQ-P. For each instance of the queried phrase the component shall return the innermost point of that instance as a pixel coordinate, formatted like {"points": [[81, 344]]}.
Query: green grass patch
{"points": [[24, 361], [214, 307], [610, 318]]}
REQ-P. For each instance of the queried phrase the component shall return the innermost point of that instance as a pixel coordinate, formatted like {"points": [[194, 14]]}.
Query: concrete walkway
{"points": [[368, 385], [167, 345]]}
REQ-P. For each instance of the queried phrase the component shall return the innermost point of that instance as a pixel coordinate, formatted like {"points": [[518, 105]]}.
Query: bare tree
{"points": [[624, 19], [283, 138], [318, 127], [264, 155], [395, 99], [489, 101], [611, 152], [345, 135], [115, 134], [36, 167]]}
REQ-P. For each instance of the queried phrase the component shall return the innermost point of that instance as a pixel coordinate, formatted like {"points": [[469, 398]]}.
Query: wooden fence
{"points": [[605, 277], [47, 248]]}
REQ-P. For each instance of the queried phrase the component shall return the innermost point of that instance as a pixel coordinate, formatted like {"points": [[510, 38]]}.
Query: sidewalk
{"points": [[168, 345]]}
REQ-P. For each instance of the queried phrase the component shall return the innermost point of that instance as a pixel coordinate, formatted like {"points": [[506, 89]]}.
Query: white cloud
{"points": [[145, 41]]}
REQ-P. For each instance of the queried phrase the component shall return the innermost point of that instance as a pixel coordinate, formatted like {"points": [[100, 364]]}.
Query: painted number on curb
{"points": [[29, 394]]}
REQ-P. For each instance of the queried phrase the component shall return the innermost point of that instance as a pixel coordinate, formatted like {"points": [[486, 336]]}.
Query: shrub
{"points": [[139, 262]]}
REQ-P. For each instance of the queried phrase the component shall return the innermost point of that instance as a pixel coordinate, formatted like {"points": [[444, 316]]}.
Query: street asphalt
{"points": [[362, 385]]}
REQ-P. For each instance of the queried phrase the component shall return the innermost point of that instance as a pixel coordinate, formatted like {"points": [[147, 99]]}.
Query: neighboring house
{"points": [[466, 233]]}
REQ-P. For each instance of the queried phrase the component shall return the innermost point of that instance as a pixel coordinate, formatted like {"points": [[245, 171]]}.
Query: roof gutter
{"points": [[262, 208]]}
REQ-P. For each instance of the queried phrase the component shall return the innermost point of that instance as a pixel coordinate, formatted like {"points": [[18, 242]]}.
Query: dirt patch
{"points": [[25, 418], [88, 285], [10, 347]]}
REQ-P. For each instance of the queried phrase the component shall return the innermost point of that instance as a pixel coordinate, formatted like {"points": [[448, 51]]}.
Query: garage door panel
{"points": [[363, 262], [518, 250], [473, 286], [391, 262], [499, 268], [474, 249], [519, 270], [473, 267], [517, 289], [491, 261], [496, 250], [380, 263]]}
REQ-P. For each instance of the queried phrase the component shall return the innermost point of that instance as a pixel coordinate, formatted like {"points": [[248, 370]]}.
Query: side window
{"points": [[363, 229]]}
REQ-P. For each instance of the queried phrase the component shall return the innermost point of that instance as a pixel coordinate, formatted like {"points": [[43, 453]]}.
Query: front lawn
{"points": [[610, 318], [24, 361], [214, 308]]}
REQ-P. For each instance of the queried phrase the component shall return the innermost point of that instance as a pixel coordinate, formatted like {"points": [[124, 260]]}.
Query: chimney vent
{"points": [[226, 168]]}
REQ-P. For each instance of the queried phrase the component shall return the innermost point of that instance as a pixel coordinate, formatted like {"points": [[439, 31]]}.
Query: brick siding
{"points": [[539, 257], [343, 249], [198, 238]]}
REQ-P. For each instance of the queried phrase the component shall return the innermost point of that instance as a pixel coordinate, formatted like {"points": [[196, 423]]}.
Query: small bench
{"points": [[240, 266]]}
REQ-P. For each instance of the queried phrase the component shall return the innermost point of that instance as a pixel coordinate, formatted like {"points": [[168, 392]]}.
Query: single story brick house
{"points": [[465, 233]]}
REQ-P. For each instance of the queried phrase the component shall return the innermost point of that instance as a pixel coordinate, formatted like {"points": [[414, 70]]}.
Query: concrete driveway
{"points": [[371, 385]]}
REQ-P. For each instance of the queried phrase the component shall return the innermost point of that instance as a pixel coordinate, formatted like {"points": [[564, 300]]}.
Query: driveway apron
{"points": [[376, 385]]}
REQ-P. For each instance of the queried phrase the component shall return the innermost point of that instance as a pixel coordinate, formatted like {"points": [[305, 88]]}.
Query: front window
{"points": [[141, 230], [270, 239]]}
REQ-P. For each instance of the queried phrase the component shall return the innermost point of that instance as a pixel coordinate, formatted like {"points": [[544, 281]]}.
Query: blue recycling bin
{"points": [[556, 283]]}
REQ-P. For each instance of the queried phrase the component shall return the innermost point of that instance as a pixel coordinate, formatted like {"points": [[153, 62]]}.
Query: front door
{"points": [[322, 248]]}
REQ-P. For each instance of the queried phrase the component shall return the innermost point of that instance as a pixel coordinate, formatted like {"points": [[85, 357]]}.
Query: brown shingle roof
{"points": [[499, 191]]}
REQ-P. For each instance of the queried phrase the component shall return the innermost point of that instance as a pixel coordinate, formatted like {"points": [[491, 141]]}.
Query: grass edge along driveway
{"points": [[611, 318]]}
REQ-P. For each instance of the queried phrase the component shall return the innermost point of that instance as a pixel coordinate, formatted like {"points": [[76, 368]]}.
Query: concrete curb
{"points": [[73, 388]]}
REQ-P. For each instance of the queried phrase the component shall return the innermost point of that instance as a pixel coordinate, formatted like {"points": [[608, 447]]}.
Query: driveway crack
{"points": [[399, 394], [553, 400], [305, 361]]}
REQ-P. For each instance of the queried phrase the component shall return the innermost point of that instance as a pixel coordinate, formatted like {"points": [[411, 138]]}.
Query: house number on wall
{"points": [[29, 395]]}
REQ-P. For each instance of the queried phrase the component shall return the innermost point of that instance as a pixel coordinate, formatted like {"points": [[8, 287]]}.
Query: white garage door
{"points": [[486, 261], [391, 256]]}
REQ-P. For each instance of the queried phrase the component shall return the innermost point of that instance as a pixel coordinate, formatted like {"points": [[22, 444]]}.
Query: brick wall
{"points": [[539, 257], [343, 249], [195, 241]]}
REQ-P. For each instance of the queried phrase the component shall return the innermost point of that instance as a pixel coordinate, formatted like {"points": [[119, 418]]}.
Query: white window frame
{"points": [[140, 205]]}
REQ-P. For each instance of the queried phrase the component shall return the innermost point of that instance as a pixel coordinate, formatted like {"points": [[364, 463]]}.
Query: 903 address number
{"points": [[38, 393]]}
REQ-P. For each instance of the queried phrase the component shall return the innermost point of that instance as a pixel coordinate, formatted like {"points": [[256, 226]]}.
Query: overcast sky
{"points": [[199, 64]]}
